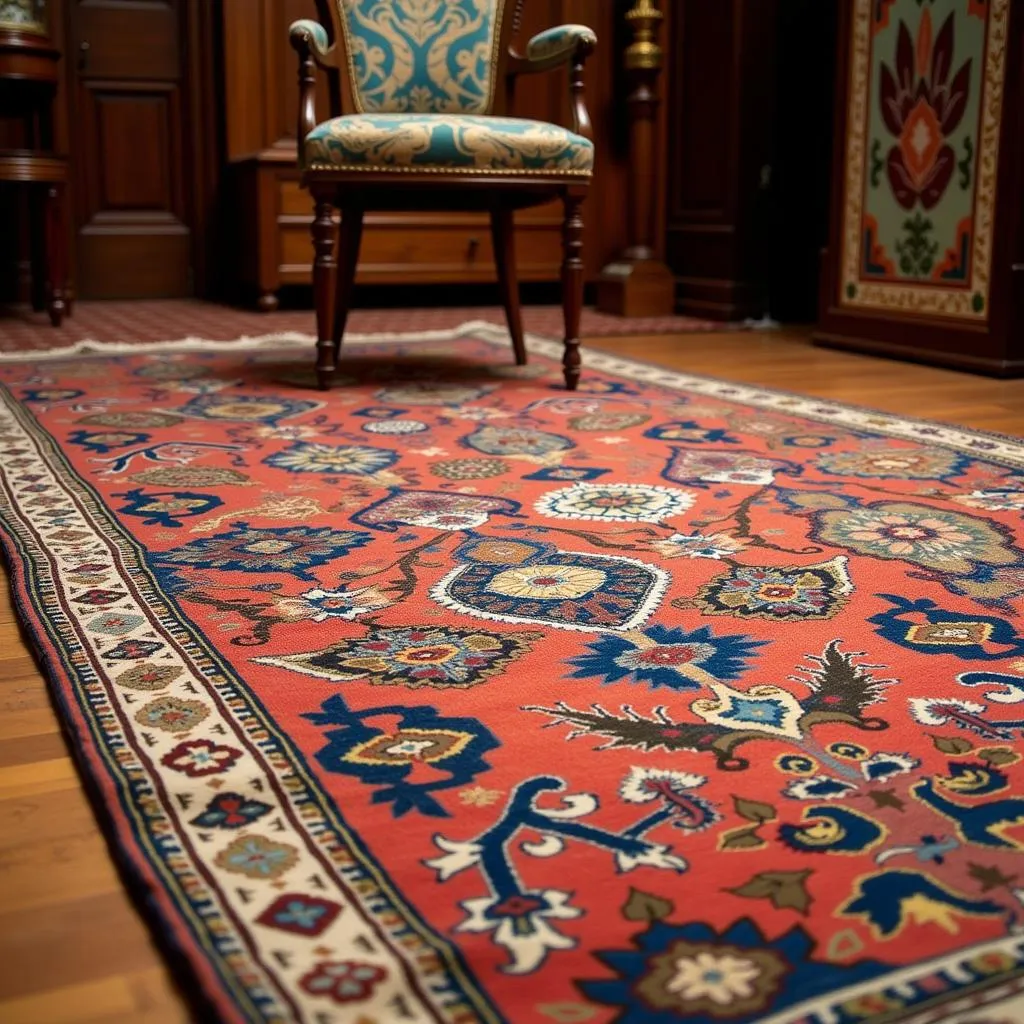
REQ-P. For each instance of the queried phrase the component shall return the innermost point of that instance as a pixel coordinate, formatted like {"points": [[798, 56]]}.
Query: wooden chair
{"points": [[430, 82]]}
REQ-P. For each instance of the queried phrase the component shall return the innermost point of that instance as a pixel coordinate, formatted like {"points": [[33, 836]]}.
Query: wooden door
{"points": [[129, 148]]}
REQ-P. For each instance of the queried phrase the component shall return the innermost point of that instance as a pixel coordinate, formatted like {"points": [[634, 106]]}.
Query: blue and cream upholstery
{"points": [[447, 143], [422, 74], [560, 41], [422, 56]]}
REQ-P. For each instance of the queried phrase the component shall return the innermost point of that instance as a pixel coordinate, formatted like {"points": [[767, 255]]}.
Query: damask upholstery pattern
{"points": [[398, 142], [422, 56]]}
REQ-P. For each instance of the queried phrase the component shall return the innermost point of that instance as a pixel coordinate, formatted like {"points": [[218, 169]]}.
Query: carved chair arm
{"points": [[565, 44], [309, 40], [557, 45], [312, 36]]}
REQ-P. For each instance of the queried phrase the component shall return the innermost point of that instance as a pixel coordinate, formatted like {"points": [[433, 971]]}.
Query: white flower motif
{"points": [[642, 785], [722, 978], [882, 766], [933, 711], [612, 440], [633, 503], [654, 856], [345, 604], [699, 545], [457, 857], [520, 925], [819, 787], [429, 452], [396, 427], [449, 520]]}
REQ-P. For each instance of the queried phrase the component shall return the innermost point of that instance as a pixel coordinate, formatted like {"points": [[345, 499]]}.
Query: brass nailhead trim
{"points": [[388, 169]]}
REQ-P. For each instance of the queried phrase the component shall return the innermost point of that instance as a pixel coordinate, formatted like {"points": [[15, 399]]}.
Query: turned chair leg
{"points": [[572, 286], [56, 252], [348, 261], [323, 270], [503, 233]]}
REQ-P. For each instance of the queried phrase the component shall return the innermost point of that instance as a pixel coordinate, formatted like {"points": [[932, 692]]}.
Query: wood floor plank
{"points": [[55, 946], [58, 887]]}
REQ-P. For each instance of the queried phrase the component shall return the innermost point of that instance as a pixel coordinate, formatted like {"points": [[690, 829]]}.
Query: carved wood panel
{"points": [[130, 148]]}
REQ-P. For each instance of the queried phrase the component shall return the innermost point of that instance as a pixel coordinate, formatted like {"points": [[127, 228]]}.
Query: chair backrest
{"points": [[423, 56]]}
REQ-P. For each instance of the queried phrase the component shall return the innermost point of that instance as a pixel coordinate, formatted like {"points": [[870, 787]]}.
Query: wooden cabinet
{"points": [[272, 214]]}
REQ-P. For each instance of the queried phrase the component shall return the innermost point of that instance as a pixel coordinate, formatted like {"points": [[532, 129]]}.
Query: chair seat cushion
{"points": [[447, 144]]}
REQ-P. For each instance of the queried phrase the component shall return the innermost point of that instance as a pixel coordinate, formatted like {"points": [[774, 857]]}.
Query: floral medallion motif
{"points": [[148, 677], [343, 981], [516, 441], [468, 469], [396, 427], [697, 468], [691, 972], [257, 857], [428, 392], [439, 657], [198, 758], [557, 588], [106, 440], [302, 914], [345, 460], [268, 409], [132, 420], [291, 549], [438, 510], [894, 463], [167, 508], [692, 432], [915, 533], [610, 421], [631, 503], [783, 593], [925, 94], [191, 476], [409, 762], [170, 714]]}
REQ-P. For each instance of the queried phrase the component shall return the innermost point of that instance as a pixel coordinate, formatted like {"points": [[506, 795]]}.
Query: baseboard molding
{"points": [[986, 365]]}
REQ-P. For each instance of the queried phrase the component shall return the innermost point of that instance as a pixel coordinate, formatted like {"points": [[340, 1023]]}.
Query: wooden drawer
{"points": [[422, 248]]}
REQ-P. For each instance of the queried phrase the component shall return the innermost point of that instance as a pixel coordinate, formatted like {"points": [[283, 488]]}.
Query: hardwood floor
{"points": [[72, 946]]}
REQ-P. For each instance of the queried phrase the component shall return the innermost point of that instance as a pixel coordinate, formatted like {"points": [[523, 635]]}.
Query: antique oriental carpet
{"points": [[449, 696]]}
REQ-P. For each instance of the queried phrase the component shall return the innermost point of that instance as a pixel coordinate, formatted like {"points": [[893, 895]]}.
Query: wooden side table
{"points": [[28, 83], [45, 180]]}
